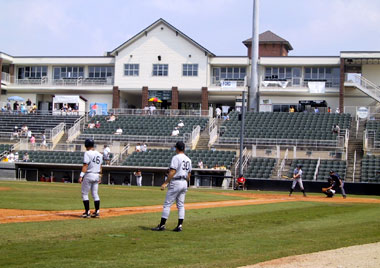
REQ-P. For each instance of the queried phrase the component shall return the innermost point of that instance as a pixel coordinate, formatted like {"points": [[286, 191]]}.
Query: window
{"points": [[68, 72], [228, 73], [32, 72], [328, 74], [100, 71], [190, 69], [160, 69], [131, 69]]}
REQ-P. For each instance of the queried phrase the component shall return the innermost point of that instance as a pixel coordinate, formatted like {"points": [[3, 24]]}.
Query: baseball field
{"points": [[40, 227]]}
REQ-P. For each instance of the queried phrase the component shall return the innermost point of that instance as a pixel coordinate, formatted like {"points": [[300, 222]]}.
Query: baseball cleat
{"points": [[178, 229], [95, 214], [85, 215], [159, 228], [344, 197], [304, 195]]}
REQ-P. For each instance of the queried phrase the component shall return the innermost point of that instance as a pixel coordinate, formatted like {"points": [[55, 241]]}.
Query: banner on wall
{"points": [[228, 84], [317, 87]]}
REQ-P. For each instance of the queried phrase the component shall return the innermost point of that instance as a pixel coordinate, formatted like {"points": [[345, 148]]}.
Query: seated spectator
{"points": [[11, 157], [180, 124], [216, 166], [15, 131], [152, 108], [111, 118], [175, 132], [29, 134], [91, 125], [291, 109], [97, 124], [16, 157], [144, 148], [119, 131], [316, 110], [4, 109], [4, 158], [25, 158], [33, 141], [34, 108], [138, 148], [337, 111], [200, 164], [335, 129], [24, 129]]}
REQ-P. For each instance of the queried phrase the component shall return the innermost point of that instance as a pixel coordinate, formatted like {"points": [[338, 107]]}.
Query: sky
{"points": [[92, 27]]}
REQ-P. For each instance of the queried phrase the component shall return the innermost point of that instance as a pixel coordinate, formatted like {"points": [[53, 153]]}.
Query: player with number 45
{"points": [[90, 177]]}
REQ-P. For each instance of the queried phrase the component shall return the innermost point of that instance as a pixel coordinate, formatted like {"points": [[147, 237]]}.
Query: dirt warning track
{"points": [[16, 215]]}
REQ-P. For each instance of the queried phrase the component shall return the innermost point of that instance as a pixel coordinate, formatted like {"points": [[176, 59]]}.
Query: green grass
{"points": [[213, 237], [59, 196], [220, 237]]}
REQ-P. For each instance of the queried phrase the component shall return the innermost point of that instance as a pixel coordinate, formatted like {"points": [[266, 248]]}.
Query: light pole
{"points": [[253, 89], [242, 135]]}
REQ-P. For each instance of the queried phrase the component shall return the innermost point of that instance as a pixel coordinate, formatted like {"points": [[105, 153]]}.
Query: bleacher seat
{"points": [[5, 148], [370, 170], [305, 126], [162, 158], [260, 168], [145, 125]]}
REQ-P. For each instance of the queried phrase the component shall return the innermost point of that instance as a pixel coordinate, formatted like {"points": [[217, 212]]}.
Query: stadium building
{"points": [[161, 61]]}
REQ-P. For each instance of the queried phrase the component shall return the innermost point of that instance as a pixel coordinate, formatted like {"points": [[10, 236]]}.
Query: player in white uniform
{"points": [[297, 178], [90, 177], [179, 175]]}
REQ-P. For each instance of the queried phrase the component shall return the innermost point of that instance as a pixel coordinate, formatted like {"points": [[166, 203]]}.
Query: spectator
{"points": [[97, 124], [28, 103], [23, 108], [25, 158], [29, 134], [175, 132], [15, 132], [24, 130], [119, 131], [9, 106], [337, 111], [33, 141], [4, 158], [316, 110], [180, 124], [15, 106], [111, 118], [11, 157], [16, 157], [43, 143], [152, 108], [138, 148], [144, 148], [107, 154], [91, 125], [218, 112], [93, 109], [335, 129], [291, 109], [4, 109], [200, 164], [227, 179], [138, 176], [329, 110], [34, 108]]}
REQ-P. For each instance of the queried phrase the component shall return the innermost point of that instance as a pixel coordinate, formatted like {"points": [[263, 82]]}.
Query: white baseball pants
{"points": [[299, 181], [176, 192], [90, 182]]}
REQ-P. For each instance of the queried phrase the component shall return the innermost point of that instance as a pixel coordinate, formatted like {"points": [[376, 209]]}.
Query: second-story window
{"points": [[190, 69], [68, 72], [32, 72], [160, 69], [100, 71], [131, 69]]}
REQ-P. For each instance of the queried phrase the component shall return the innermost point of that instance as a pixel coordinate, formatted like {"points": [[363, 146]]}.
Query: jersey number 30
{"points": [[96, 160], [185, 165]]}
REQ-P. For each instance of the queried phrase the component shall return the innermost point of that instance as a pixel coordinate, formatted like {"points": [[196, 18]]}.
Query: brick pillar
{"points": [[144, 97], [204, 99], [115, 97], [175, 97], [341, 86], [12, 72]]}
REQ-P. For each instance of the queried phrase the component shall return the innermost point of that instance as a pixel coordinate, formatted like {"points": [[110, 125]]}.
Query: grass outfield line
{"points": [[219, 237]]}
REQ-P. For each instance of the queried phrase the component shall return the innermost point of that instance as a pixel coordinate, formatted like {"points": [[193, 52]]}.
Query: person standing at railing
{"points": [[33, 142], [43, 143], [28, 105], [106, 154]]}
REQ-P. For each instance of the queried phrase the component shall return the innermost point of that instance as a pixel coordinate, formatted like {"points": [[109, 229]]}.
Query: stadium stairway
{"points": [[203, 140], [355, 144]]}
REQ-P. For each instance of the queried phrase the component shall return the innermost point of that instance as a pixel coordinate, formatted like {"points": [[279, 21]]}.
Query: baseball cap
{"points": [[180, 146]]}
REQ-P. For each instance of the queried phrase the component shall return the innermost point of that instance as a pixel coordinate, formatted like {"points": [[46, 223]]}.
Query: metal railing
{"points": [[195, 134], [354, 168], [283, 163], [164, 140], [118, 157], [338, 143], [55, 132], [74, 131], [290, 83], [363, 84], [63, 82], [245, 157], [316, 169], [5, 77], [158, 112]]}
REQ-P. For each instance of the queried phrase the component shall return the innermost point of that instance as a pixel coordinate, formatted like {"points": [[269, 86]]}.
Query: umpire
{"points": [[177, 179], [337, 183]]}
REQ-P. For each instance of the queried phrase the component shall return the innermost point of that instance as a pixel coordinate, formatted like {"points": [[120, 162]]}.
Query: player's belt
{"points": [[179, 178]]}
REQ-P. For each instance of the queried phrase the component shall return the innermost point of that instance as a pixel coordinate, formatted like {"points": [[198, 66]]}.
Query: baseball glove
{"points": [[324, 190]]}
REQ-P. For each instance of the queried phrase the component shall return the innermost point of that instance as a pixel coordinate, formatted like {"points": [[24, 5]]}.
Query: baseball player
{"points": [[297, 178], [179, 175], [336, 183], [90, 177]]}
